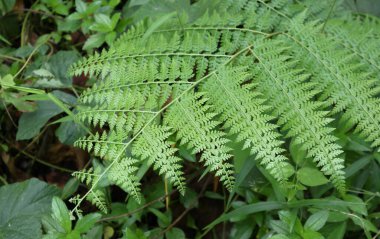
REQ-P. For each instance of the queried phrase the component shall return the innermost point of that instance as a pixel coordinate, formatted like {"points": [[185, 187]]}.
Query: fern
{"points": [[96, 196], [291, 95], [262, 72], [196, 127], [244, 113]]}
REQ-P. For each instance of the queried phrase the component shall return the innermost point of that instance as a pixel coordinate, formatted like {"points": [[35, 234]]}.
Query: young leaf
{"points": [[61, 214], [87, 222], [317, 220]]}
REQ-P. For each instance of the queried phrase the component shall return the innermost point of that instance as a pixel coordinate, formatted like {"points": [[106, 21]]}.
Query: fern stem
{"points": [[170, 54], [328, 16], [80, 200], [204, 29], [100, 141], [137, 84], [132, 111]]}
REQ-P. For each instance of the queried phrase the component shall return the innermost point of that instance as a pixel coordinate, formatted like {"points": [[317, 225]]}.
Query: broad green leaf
{"points": [[310, 234], [61, 214], [103, 23], [59, 64], [95, 233], [289, 218], [357, 205], [22, 207], [94, 41], [298, 154], [243, 229], [30, 123], [7, 81], [73, 235], [279, 236], [114, 19], [87, 222], [110, 38], [113, 3], [133, 3], [317, 220], [275, 205], [338, 231], [69, 132], [365, 224], [19, 102], [175, 233], [311, 177], [6, 6], [80, 6], [131, 234], [279, 226], [70, 188]]}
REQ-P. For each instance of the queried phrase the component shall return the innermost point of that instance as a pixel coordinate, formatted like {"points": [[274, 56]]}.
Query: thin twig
{"points": [[9, 115], [38, 159], [2, 179], [12, 58], [328, 16]]}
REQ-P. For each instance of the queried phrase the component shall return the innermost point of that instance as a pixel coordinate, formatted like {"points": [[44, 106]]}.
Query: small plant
{"points": [[261, 73]]}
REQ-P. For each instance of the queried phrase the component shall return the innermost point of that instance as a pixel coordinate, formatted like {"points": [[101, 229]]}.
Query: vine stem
{"points": [[328, 16], [2, 179], [151, 120]]}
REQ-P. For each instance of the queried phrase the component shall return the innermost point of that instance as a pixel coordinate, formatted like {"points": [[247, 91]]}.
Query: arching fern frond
{"points": [[338, 74], [97, 196], [195, 125], [244, 114], [153, 146], [246, 72], [291, 95]]}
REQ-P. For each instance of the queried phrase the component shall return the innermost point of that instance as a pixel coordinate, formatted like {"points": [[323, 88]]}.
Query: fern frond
{"points": [[97, 195], [195, 126], [338, 74], [358, 37], [153, 146], [123, 174], [291, 97], [191, 80], [244, 114]]}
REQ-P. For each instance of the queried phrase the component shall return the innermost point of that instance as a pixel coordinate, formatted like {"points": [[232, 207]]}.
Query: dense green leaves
{"points": [[22, 207]]}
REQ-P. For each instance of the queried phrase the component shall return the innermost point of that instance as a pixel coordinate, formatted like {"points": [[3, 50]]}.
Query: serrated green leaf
{"points": [[22, 207]]}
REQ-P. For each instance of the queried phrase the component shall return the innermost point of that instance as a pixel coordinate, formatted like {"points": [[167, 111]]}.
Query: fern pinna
{"points": [[261, 73]]}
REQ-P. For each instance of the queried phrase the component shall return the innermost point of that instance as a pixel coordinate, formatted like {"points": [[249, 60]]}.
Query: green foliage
{"points": [[278, 99], [22, 207], [240, 73], [58, 225]]}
